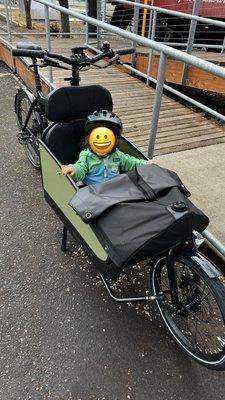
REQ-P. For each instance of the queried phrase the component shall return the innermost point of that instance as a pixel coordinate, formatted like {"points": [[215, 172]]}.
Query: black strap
{"points": [[141, 184]]}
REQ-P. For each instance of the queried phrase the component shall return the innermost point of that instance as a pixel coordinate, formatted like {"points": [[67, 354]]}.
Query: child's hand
{"points": [[150, 162], [67, 170]]}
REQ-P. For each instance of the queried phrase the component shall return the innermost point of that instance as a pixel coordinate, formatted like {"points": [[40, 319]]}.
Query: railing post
{"points": [[91, 11], [103, 6], [135, 30], [48, 39], [10, 11], [8, 20], [86, 26], [223, 46], [191, 38], [99, 9], [157, 103], [153, 21]]}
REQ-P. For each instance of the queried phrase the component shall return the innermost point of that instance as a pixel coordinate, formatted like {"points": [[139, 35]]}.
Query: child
{"points": [[102, 160]]}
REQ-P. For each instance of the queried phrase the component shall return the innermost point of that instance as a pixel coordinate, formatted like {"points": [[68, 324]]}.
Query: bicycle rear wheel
{"points": [[198, 323], [33, 131]]}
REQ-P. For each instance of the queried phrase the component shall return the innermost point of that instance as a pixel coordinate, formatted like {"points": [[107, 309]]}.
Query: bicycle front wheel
{"points": [[33, 131], [198, 322]]}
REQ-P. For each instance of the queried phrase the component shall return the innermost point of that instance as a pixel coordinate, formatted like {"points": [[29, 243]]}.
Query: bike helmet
{"points": [[104, 118]]}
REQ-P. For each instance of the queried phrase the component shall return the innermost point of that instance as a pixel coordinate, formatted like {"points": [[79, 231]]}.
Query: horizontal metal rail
{"points": [[44, 33], [215, 242]]}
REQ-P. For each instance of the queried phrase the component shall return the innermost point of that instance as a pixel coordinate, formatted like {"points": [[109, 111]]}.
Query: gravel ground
{"points": [[62, 337]]}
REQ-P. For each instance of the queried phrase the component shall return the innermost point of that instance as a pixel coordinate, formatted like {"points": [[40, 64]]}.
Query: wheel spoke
{"points": [[198, 322]]}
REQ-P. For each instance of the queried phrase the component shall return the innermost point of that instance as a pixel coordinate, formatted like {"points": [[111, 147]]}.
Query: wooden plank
{"points": [[5, 55], [189, 146], [182, 132], [139, 105], [185, 137], [189, 141], [183, 147], [165, 120], [148, 111]]}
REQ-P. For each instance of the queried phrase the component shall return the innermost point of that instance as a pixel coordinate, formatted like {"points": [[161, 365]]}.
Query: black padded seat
{"points": [[75, 102], [68, 108], [66, 140]]}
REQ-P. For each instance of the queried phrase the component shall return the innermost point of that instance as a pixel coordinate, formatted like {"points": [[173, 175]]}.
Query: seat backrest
{"points": [[76, 102], [68, 108], [66, 140]]}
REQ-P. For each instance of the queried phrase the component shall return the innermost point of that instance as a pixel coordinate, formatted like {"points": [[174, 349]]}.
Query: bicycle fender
{"points": [[204, 264], [28, 93]]}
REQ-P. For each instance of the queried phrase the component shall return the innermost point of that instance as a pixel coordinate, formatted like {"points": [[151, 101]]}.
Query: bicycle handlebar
{"points": [[69, 60], [28, 53], [40, 54], [122, 52]]}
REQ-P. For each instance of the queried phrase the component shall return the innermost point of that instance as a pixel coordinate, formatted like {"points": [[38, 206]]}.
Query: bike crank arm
{"points": [[22, 138]]}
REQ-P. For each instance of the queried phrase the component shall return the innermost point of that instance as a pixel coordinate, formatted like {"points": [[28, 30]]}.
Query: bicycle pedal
{"points": [[22, 138]]}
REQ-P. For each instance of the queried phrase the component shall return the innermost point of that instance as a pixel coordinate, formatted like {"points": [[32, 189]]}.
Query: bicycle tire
{"points": [[34, 130], [193, 307]]}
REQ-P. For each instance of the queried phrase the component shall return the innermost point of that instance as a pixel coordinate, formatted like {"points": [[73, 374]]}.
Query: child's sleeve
{"points": [[128, 163], [80, 167]]}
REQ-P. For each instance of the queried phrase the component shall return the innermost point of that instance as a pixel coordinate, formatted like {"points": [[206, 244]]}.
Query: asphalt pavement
{"points": [[62, 337]]}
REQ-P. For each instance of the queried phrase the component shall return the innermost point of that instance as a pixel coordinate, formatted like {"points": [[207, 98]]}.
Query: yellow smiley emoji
{"points": [[102, 140]]}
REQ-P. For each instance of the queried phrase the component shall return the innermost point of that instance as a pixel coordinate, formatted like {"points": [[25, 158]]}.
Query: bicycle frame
{"points": [[37, 102], [35, 106]]}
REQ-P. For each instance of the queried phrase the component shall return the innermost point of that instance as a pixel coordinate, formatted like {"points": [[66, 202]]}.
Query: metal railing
{"points": [[197, 18], [165, 52], [190, 33], [151, 35]]}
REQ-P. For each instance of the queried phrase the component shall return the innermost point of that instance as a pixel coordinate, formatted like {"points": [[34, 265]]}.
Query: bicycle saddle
{"points": [[28, 46]]}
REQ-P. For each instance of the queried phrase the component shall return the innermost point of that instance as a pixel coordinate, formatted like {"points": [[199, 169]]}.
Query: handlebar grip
{"points": [[122, 52], [28, 53]]}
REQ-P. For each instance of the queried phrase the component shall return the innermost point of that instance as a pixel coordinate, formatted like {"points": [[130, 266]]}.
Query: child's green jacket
{"points": [[91, 168]]}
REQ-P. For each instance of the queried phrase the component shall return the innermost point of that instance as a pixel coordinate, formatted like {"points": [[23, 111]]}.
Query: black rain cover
{"points": [[140, 226]]}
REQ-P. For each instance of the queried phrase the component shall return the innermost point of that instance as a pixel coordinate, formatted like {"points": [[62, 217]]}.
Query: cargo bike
{"points": [[144, 215]]}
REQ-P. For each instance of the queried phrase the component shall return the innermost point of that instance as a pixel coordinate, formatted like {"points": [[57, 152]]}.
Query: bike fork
{"points": [[172, 279]]}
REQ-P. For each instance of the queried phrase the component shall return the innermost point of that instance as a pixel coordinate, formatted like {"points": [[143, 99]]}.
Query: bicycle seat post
{"points": [[36, 75], [75, 79]]}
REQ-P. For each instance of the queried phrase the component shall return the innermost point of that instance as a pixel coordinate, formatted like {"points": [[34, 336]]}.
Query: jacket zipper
{"points": [[105, 173]]}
